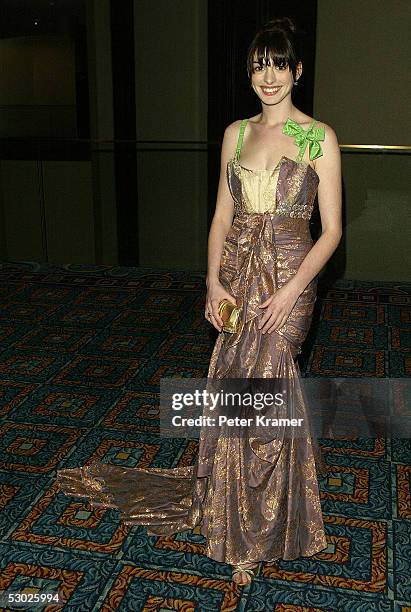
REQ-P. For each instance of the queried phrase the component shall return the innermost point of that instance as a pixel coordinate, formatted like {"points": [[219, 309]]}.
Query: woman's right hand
{"points": [[216, 293]]}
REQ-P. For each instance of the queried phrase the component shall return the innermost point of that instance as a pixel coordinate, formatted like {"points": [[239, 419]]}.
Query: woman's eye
{"points": [[259, 68]]}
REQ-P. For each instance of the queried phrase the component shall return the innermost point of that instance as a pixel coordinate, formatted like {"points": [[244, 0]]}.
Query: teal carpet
{"points": [[82, 350]]}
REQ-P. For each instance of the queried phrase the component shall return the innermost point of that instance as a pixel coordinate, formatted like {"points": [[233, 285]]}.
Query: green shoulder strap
{"points": [[240, 138]]}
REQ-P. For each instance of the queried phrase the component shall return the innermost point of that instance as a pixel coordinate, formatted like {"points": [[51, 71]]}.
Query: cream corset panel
{"points": [[259, 189]]}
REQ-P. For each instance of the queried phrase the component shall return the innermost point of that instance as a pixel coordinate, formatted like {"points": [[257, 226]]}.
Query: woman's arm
{"points": [[221, 224], [224, 210], [328, 168]]}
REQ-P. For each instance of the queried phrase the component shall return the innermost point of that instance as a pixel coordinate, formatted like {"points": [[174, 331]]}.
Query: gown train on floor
{"points": [[253, 500]]}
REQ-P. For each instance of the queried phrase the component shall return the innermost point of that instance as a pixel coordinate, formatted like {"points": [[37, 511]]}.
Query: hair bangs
{"points": [[271, 45]]}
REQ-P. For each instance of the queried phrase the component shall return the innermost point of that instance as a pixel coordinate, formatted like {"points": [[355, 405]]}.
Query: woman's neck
{"points": [[272, 116]]}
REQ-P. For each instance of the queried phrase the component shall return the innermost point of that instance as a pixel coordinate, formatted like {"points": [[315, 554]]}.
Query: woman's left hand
{"points": [[278, 307]]}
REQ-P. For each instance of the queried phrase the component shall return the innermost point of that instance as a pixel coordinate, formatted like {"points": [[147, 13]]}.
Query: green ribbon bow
{"points": [[311, 136]]}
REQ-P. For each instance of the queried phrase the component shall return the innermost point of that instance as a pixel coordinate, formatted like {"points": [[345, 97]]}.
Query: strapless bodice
{"points": [[289, 189]]}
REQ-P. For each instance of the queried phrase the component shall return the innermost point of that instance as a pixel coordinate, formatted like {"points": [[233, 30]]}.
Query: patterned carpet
{"points": [[79, 373]]}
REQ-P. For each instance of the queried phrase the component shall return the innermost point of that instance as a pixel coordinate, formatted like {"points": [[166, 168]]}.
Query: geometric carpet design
{"points": [[82, 350]]}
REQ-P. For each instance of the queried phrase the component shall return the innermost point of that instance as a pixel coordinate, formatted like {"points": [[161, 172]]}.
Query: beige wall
{"points": [[362, 90], [37, 86], [362, 82], [55, 225], [38, 199], [360, 45], [59, 211], [171, 95]]}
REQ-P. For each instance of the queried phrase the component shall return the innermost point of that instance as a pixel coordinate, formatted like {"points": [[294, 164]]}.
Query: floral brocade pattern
{"points": [[277, 492], [291, 188], [253, 499]]}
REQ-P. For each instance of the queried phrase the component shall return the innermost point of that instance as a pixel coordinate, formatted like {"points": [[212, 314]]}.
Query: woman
{"points": [[255, 500], [266, 264]]}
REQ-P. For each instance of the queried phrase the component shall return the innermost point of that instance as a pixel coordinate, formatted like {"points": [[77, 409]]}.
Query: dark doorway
{"points": [[231, 27]]}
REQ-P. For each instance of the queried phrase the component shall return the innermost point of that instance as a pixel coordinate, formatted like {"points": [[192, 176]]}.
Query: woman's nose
{"points": [[269, 76]]}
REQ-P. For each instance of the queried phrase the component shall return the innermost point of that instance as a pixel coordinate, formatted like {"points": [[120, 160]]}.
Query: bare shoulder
{"points": [[328, 165], [230, 138], [330, 137], [330, 147], [231, 131]]}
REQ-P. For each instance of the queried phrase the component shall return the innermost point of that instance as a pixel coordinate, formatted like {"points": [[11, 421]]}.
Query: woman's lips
{"points": [[270, 91]]}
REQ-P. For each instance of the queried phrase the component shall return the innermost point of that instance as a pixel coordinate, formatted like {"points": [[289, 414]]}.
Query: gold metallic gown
{"points": [[253, 499]]}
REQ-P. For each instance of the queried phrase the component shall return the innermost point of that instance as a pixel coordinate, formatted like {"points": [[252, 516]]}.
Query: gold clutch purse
{"points": [[230, 314]]}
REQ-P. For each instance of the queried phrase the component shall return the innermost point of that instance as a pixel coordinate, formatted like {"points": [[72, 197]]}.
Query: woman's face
{"points": [[272, 84]]}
